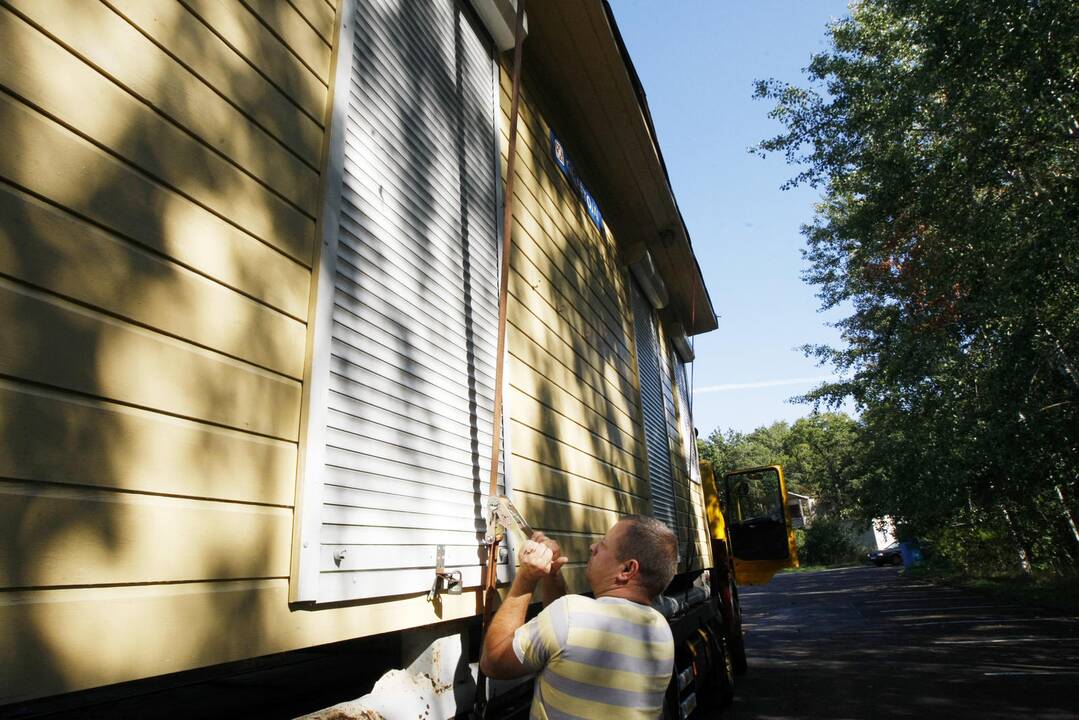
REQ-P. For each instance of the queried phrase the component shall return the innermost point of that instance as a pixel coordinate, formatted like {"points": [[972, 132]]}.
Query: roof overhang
{"points": [[575, 49]]}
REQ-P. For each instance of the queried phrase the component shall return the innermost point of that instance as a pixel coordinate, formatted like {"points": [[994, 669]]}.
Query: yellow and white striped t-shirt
{"points": [[607, 658]]}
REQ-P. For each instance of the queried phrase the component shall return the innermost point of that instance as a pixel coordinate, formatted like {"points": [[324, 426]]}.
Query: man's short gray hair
{"points": [[655, 548]]}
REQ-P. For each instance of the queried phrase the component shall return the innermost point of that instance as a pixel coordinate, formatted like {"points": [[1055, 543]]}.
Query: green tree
{"points": [[820, 455], [734, 450], [944, 135], [823, 458]]}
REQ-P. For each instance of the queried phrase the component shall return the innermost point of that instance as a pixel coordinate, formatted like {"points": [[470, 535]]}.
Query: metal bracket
{"points": [[502, 515], [452, 579]]}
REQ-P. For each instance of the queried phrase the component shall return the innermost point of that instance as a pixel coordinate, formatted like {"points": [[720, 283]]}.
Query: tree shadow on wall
{"points": [[149, 382]]}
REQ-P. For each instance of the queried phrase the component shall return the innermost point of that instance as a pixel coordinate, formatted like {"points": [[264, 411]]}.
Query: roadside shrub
{"points": [[827, 542], [980, 550], [800, 544]]}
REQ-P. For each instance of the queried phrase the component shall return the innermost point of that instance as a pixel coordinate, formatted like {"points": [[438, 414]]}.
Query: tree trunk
{"points": [[1068, 513], [1021, 549]]}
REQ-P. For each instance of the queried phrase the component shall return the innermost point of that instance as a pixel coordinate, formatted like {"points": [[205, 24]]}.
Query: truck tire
{"points": [[725, 671]]}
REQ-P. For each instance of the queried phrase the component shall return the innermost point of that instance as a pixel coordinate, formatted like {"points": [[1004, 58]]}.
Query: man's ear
{"points": [[630, 569]]}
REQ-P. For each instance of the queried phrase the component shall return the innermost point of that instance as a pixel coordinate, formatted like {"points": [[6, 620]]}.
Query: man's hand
{"points": [[540, 561], [540, 558], [535, 560], [552, 584]]}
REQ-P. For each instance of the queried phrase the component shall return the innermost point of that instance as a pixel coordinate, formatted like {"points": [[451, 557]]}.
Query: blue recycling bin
{"points": [[911, 553]]}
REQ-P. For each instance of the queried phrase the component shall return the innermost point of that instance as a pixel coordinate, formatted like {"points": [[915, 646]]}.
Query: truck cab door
{"points": [[758, 523]]}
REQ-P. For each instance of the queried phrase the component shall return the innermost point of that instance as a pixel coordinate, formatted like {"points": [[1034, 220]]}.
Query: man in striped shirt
{"points": [[607, 657]]}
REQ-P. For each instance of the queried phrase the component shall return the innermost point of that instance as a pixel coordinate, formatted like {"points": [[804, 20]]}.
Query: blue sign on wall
{"points": [[558, 152]]}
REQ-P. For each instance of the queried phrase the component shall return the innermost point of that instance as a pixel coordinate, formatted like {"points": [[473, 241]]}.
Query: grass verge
{"points": [[1050, 591], [818, 568]]}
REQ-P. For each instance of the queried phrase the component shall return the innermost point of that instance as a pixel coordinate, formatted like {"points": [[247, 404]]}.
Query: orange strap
{"points": [[491, 581]]}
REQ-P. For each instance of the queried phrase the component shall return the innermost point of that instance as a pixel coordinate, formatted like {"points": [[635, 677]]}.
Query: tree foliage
{"points": [[827, 542], [944, 136], [820, 454]]}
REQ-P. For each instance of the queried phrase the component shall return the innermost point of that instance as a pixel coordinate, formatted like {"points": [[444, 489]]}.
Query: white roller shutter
{"points": [[685, 415], [398, 439], [654, 407]]}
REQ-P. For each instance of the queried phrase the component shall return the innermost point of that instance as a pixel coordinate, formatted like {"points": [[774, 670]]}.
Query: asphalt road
{"points": [[869, 643]]}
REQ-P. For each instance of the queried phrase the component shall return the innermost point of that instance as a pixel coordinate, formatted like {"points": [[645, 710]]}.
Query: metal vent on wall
{"points": [[654, 407], [409, 384]]}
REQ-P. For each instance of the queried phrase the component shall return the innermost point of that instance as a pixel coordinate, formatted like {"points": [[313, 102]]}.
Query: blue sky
{"points": [[697, 60]]}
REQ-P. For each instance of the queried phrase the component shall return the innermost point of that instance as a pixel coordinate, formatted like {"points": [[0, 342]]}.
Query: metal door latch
{"points": [[452, 579], [502, 515]]}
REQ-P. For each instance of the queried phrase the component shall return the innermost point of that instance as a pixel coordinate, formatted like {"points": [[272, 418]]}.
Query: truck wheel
{"points": [[726, 673]]}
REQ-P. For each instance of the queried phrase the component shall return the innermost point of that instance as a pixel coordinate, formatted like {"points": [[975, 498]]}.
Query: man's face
{"points": [[603, 563]]}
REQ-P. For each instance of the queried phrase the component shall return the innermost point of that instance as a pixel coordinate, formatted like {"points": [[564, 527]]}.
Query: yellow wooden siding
{"points": [[585, 274], [319, 14], [57, 343], [575, 408], [291, 28], [85, 536], [59, 640], [54, 163], [90, 103], [53, 250], [94, 442], [578, 454], [573, 368], [256, 42], [569, 355], [173, 26], [156, 233], [564, 215], [157, 204]]}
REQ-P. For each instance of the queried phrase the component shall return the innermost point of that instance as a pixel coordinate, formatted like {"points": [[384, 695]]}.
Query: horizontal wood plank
{"points": [[66, 87], [319, 15], [77, 638], [298, 36], [60, 438], [555, 515], [548, 451], [546, 397], [238, 27], [543, 351], [55, 163], [569, 250], [85, 536], [545, 193], [530, 413], [48, 248], [54, 342], [181, 33], [532, 477], [563, 325]]}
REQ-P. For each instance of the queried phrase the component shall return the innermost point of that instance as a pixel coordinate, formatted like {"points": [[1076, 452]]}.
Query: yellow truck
{"points": [[751, 540]]}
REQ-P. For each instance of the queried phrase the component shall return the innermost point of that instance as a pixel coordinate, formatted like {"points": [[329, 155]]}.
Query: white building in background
{"points": [[879, 534], [802, 508]]}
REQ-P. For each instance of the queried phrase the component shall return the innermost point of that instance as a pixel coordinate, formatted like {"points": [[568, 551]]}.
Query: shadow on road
{"points": [[870, 643]]}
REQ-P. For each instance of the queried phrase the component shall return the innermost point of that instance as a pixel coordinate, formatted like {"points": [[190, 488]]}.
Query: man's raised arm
{"points": [[537, 562]]}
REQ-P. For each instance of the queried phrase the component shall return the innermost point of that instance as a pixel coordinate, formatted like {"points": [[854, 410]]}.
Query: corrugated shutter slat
{"points": [[407, 432], [654, 408]]}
